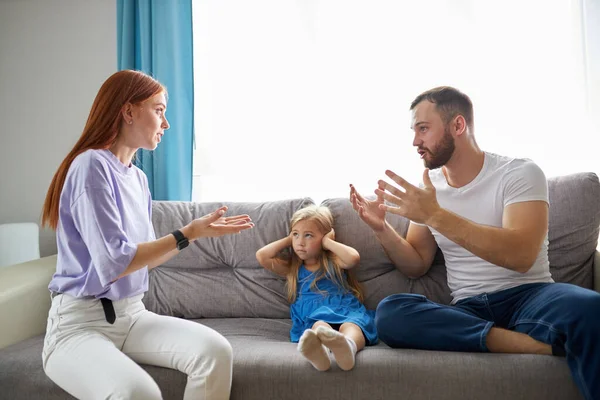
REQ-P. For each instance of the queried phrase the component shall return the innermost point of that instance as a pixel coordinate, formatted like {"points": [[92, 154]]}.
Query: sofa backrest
{"points": [[574, 227], [220, 277]]}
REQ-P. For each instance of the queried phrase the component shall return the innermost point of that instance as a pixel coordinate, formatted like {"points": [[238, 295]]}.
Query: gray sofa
{"points": [[217, 282]]}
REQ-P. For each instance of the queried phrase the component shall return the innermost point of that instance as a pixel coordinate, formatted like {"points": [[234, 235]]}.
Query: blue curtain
{"points": [[155, 36]]}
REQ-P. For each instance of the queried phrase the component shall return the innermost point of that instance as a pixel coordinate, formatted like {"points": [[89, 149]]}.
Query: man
{"points": [[489, 216]]}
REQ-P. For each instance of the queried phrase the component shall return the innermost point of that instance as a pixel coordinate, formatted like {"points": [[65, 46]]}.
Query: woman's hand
{"points": [[215, 224]]}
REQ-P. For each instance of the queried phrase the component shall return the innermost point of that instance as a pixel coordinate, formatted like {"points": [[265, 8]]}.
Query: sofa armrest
{"points": [[24, 299], [597, 271]]}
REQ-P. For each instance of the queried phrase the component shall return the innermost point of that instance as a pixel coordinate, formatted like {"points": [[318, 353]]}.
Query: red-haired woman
{"points": [[100, 206]]}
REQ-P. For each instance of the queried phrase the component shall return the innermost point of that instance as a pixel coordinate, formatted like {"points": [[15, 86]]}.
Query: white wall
{"points": [[54, 55]]}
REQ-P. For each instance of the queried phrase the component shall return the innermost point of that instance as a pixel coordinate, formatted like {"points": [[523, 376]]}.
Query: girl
{"points": [[100, 206], [326, 308]]}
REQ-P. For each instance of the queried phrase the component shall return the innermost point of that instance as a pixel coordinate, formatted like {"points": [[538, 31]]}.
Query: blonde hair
{"points": [[329, 264]]}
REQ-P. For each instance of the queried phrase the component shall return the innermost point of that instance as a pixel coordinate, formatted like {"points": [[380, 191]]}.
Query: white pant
{"points": [[91, 359]]}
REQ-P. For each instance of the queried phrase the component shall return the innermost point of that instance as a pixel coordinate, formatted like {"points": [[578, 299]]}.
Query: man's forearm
{"points": [[404, 256], [500, 246]]}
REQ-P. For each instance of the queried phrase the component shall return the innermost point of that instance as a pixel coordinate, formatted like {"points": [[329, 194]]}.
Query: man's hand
{"points": [[368, 210], [418, 205]]}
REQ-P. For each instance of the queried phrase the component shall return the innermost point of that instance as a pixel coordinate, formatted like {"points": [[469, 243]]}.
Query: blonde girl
{"points": [[326, 299]]}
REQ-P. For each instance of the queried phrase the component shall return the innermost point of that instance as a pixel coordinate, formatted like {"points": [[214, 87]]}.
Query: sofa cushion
{"points": [[267, 366], [220, 277], [574, 227]]}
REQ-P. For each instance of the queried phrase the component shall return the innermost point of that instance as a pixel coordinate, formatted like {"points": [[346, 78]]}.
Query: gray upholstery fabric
{"points": [[220, 277], [267, 366], [262, 357], [574, 226]]}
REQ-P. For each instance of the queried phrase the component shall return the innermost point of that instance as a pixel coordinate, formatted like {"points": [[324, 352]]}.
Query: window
{"points": [[300, 98]]}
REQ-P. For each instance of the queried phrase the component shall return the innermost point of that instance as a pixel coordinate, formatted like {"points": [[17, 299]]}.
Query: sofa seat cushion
{"points": [[268, 366]]}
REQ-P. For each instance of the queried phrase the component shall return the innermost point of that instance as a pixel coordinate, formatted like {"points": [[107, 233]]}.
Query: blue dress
{"points": [[336, 306]]}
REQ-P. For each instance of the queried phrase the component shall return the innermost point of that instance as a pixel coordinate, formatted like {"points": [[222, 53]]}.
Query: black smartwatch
{"points": [[182, 241]]}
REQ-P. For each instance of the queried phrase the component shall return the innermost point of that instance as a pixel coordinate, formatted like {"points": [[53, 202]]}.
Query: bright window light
{"points": [[300, 98]]}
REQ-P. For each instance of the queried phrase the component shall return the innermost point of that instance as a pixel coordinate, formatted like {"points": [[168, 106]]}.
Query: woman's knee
{"points": [[212, 353], [147, 390], [221, 350]]}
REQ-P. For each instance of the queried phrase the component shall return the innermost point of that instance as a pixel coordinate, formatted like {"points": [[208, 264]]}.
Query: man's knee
{"points": [[393, 315], [579, 303], [586, 309]]}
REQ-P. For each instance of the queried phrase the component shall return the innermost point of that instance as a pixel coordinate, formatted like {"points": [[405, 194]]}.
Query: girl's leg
{"points": [[343, 344], [354, 332], [312, 349], [320, 323]]}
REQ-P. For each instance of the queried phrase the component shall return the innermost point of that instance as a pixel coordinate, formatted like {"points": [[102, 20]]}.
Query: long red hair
{"points": [[101, 128]]}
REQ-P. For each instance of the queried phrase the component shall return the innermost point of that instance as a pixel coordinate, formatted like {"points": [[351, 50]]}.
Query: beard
{"points": [[442, 152]]}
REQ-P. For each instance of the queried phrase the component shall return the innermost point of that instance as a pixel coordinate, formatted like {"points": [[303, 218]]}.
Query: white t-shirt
{"points": [[501, 181]]}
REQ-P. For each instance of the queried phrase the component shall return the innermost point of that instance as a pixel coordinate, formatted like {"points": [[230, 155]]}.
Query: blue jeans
{"points": [[565, 316]]}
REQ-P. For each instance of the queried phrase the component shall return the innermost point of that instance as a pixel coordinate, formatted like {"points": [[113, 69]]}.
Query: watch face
{"points": [[182, 241], [182, 244]]}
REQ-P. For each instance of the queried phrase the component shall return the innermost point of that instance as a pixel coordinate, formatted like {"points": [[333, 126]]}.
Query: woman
{"points": [[100, 206]]}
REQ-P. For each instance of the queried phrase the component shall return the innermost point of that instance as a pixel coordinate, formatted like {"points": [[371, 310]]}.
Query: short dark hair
{"points": [[449, 102]]}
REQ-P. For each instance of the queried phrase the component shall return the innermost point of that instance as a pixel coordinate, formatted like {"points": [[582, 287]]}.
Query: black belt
{"points": [[109, 310], [107, 306]]}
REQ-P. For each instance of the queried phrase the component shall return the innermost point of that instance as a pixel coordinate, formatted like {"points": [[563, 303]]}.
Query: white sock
{"points": [[342, 347], [313, 350]]}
